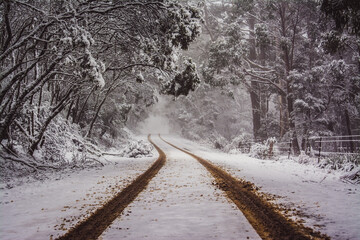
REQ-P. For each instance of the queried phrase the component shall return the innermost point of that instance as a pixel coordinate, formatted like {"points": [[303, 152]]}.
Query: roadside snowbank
{"points": [[19, 168]]}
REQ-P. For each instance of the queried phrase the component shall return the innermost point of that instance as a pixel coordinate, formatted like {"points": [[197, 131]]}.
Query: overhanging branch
{"points": [[268, 81]]}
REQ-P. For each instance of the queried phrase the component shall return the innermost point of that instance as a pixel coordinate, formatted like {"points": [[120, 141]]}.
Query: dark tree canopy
{"points": [[345, 13]]}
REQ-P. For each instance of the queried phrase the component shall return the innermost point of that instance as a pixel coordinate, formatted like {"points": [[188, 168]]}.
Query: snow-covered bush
{"points": [[137, 149], [218, 141], [350, 164], [241, 143], [214, 139], [303, 158], [345, 163], [64, 145], [61, 147], [263, 150], [191, 135], [259, 150], [61, 142], [352, 176]]}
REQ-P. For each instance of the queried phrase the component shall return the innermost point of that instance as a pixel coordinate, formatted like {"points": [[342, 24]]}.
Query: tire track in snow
{"points": [[92, 227], [181, 202], [263, 216]]}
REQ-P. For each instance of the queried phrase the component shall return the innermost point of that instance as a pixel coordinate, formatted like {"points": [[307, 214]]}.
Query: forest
{"points": [[78, 77]]}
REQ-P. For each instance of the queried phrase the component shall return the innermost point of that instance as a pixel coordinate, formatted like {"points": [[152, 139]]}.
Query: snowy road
{"points": [[314, 196], [100, 220], [181, 202], [48, 209]]}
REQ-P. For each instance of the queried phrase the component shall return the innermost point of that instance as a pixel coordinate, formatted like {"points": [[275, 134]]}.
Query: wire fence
{"points": [[321, 146], [246, 146]]}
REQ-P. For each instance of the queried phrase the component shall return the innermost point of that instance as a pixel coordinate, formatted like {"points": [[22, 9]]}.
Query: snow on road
{"points": [[39, 210], [181, 202], [319, 197]]}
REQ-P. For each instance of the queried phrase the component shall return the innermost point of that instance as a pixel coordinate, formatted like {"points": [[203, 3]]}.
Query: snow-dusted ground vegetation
{"points": [[273, 83]]}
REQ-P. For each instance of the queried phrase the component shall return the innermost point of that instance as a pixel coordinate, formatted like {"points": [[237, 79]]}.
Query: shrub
{"points": [[263, 150], [137, 149], [240, 144], [344, 162]]}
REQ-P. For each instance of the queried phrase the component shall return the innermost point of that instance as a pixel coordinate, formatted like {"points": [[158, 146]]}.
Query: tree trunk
{"points": [[206, 23], [98, 110], [264, 96], [255, 104], [15, 108], [348, 128], [69, 110], [32, 119], [284, 117], [56, 110], [39, 137], [6, 26], [295, 142], [254, 91], [288, 60], [77, 120], [95, 117]]}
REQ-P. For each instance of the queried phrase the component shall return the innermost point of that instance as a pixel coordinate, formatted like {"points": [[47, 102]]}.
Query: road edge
{"points": [[96, 224]]}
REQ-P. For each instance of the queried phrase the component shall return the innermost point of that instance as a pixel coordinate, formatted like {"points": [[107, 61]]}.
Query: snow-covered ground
{"points": [[318, 196], [39, 210], [180, 202]]}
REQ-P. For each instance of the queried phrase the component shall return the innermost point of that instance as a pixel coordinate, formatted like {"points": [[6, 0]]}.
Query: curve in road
{"points": [[92, 227]]}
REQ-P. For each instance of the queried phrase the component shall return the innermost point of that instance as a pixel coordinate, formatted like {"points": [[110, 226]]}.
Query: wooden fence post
{"points": [[289, 148], [319, 150]]}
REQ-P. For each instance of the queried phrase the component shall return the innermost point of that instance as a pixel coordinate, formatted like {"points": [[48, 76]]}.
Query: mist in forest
{"points": [[157, 122]]}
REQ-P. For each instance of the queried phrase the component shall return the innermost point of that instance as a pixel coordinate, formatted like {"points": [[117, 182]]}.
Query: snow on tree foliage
{"points": [[75, 60], [345, 14], [276, 68], [183, 82], [332, 42], [299, 72], [183, 25], [92, 69]]}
